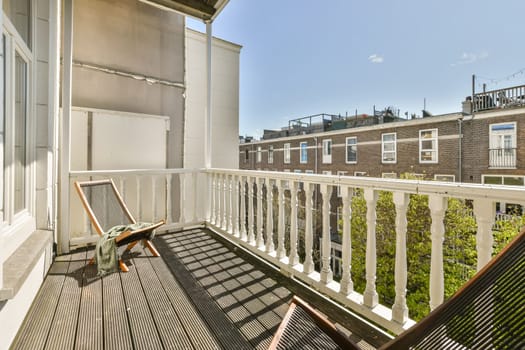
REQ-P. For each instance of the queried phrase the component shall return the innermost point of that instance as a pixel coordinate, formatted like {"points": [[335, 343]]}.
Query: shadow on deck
{"points": [[202, 294]]}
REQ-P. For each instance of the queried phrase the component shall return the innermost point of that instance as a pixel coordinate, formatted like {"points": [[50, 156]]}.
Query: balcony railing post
{"points": [[400, 309], [270, 247], [347, 285], [484, 212], [211, 204], [438, 206], [281, 252], [235, 205], [370, 297], [182, 194], [225, 202], [326, 242], [194, 179], [293, 259], [260, 239], [169, 205], [308, 266], [251, 198], [229, 203], [218, 186]]}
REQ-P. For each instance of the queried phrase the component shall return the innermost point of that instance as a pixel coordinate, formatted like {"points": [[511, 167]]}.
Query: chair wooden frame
{"points": [[131, 238]]}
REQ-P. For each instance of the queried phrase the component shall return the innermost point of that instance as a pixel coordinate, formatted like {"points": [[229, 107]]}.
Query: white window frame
{"points": [[258, 158], [384, 145], [445, 177], [270, 154], [497, 141], [360, 173], [389, 175], [347, 146], [340, 173], [286, 153], [435, 146], [303, 151], [327, 151]]}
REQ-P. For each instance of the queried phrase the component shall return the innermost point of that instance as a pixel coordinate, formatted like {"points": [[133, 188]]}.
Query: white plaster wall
{"points": [[225, 102]]}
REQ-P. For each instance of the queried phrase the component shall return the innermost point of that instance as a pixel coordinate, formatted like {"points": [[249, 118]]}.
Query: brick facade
{"points": [[462, 148]]}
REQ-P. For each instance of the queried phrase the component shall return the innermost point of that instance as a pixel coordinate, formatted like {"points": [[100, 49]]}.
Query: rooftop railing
{"points": [[275, 216], [501, 98]]}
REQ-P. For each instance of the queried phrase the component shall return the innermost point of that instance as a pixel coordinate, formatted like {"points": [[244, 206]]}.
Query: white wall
{"points": [[225, 102]]}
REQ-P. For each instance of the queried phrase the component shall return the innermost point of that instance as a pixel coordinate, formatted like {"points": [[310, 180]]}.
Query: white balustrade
{"points": [[347, 286], [326, 241], [234, 202], [400, 308], [370, 297], [437, 205]]}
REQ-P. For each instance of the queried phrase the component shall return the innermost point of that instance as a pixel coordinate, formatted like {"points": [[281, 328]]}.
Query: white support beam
{"points": [[208, 123], [65, 135]]}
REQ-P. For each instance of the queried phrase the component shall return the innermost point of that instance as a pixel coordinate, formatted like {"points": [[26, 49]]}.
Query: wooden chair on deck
{"points": [[488, 312], [106, 209]]}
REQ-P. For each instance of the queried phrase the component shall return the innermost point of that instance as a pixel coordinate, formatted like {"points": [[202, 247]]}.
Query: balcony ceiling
{"points": [[206, 10]]}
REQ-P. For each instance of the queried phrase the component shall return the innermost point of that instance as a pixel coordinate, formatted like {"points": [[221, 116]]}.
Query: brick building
{"points": [[481, 144]]}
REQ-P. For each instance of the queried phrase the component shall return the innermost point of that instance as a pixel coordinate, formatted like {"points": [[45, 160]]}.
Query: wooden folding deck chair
{"points": [[106, 209], [488, 312]]}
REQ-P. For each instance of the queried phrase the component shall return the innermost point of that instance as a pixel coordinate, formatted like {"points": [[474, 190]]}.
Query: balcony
{"points": [[272, 215], [502, 158], [502, 98]]}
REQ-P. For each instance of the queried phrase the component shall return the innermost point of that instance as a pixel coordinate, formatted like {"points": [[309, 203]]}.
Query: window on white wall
{"points": [[428, 146], [17, 60], [304, 152], [287, 153], [351, 150], [327, 151], [259, 155], [388, 148], [270, 154]]}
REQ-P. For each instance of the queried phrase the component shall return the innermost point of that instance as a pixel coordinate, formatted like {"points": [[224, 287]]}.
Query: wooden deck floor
{"points": [[202, 294]]}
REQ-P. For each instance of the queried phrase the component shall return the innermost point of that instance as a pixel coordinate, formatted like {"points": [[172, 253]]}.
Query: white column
{"points": [[65, 144], [347, 285], [400, 309], [308, 265], [270, 247], [437, 205], [370, 297], [251, 213], [281, 252], [485, 213], [293, 259], [208, 124], [260, 239], [326, 244]]}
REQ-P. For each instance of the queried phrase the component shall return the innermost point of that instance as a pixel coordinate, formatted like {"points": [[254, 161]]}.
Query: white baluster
{"points": [[211, 186], [228, 203], [225, 202], [485, 213], [281, 252], [326, 242], [182, 193], [251, 213], [400, 309], [194, 180], [218, 192], [293, 259], [260, 238], [308, 266], [437, 205], [154, 198], [139, 197], [370, 297], [242, 216], [347, 285], [221, 200], [169, 214], [235, 205], [270, 247]]}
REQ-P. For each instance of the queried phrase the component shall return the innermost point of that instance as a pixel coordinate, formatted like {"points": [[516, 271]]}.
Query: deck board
{"points": [[201, 294]]}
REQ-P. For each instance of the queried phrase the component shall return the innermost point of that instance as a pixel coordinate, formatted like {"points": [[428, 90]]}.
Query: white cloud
{"points": [[470, 57], [375, 58]]}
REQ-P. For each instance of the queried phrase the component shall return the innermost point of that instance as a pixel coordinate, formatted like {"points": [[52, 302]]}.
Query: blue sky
{"points": [[304, 57]]}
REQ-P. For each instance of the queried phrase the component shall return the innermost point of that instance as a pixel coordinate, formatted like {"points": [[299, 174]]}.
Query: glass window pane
{"points": [[513, 181], [20, 131], [492, 180], [19, 13]]}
